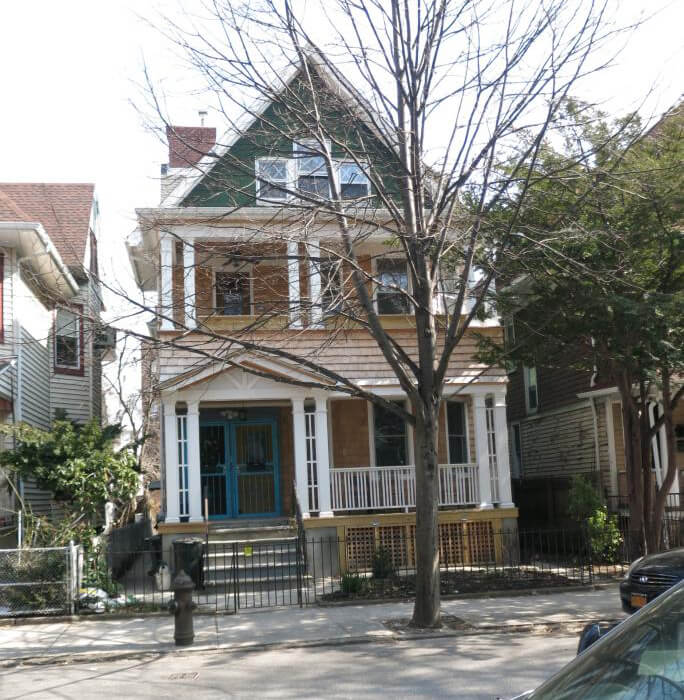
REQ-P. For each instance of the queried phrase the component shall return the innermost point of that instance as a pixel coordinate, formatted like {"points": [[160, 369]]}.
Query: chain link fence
{"points": [[39, 581]]}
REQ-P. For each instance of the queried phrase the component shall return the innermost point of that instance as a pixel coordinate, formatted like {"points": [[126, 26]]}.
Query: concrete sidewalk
{"points": [[107, 639]]}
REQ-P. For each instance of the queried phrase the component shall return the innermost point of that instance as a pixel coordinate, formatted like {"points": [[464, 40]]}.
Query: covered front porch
{"points": [[242, 447]]}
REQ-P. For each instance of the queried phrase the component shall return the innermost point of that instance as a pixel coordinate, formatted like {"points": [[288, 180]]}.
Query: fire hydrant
{"points": [[181, 608]]}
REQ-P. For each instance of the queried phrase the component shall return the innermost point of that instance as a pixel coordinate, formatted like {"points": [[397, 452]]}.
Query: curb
{"points": [[379, 636]]}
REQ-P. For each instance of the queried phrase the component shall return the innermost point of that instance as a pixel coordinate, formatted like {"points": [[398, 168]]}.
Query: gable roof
{"points": [[62, 208]]}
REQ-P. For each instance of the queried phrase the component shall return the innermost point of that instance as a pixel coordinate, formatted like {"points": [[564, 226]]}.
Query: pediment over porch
{"points": [[245, 376]]}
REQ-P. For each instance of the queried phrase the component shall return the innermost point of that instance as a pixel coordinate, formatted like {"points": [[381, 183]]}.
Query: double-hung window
{"points": [[391, 439], [312, 173], [531, 390], [331, 285], [354, 183], [273, 179], [457, 434], [68, 340], [232, 294], [392, 276]]}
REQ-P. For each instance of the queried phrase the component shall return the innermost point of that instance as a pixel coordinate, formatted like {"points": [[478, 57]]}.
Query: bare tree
{"points": [[420, 101]]}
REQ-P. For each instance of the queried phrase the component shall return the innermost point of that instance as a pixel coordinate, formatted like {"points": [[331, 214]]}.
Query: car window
{"points": [[644, 658]]}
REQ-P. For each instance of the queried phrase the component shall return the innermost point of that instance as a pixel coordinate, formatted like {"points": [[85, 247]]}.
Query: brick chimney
{"points": [[187, 144]]}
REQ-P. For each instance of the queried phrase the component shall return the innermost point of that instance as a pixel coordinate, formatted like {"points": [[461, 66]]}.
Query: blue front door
{"points": [[240, 468]]}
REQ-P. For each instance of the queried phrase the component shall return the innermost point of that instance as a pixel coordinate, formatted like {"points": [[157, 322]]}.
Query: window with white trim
{"points": [[273, 179], [312, 173], [354, 183], [390, 437], [183, 488], [232, 293], [491, 449], [457, 434], [391, 273], [67, 339], [531, 390], [331, 285]]}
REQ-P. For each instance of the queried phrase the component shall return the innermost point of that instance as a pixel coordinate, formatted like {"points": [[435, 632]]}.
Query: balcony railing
{"points": [[380, 488]]}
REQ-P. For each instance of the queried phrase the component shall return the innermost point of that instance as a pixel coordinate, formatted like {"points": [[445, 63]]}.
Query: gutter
{"points": [[47, 244]]}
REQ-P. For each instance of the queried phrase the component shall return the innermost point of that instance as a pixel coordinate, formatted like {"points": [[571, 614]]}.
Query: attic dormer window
{"points": [[354, 183], [312, 173]]}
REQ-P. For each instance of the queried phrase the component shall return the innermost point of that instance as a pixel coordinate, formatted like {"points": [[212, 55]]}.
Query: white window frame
{"points": [[261, 182], [79, 320], [308, 146], [247, 269], [528, 385], [366, 180], [464, 403], [377, 285]]}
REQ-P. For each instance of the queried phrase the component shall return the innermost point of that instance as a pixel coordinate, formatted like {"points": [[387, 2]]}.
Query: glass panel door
{"points": [[213, 469], [256, 468]]}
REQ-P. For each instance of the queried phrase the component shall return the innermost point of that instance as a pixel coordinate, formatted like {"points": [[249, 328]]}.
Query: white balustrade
{"points": [[377, 488]]}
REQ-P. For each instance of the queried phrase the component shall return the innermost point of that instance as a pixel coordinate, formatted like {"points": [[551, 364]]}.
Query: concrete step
{"points": [[247, 535]]}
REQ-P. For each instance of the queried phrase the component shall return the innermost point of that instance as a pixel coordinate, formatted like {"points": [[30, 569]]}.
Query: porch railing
{"points": [[377, 488]]}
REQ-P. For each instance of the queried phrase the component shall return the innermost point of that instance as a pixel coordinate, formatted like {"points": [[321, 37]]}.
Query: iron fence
{"points": [[40, 581]]}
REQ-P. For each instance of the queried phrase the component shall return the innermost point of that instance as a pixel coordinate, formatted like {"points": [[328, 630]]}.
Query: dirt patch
{"points": [[452, 583], [402, 625]]}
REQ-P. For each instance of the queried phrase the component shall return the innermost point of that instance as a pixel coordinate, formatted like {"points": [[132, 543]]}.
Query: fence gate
{"points": [[39, 581], [253, 574]]}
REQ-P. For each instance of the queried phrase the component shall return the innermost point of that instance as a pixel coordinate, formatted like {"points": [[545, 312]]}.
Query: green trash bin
{"points": [[188, 555]]}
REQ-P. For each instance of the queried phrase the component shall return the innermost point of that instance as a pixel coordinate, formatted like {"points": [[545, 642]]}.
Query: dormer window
{"points": [[354, 183], [312, 173]]}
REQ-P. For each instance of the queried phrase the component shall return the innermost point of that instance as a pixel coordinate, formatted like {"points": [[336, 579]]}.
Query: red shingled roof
{"points": [[62, 208], [187, 144]]}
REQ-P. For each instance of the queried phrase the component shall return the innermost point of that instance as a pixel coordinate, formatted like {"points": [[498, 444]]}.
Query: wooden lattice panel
{"points": [[450, 544], [393, 539], [360, 548], [481, 542]]}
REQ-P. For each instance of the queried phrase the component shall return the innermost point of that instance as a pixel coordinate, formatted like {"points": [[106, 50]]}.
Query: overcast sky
{"points": [[70, 69]]}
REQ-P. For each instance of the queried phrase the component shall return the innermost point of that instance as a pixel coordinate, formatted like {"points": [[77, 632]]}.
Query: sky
{"points": [[72, 70]]}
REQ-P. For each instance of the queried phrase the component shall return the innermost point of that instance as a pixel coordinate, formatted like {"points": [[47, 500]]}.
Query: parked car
{"points": [[641, 658], [650, 576]]}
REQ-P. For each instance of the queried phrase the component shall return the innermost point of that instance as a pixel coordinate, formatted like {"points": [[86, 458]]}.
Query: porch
{"points": [[229, 459]]}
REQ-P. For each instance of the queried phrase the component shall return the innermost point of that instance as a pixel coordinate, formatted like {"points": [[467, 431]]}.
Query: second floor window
{"points": [[353, 181], [232, 294], [312, 173], [272, 179], [392, 273], [67, 339], [531, 390], [331, 286]]}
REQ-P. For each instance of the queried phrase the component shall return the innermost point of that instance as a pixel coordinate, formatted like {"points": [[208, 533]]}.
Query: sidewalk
{"points": [[107, 639]]}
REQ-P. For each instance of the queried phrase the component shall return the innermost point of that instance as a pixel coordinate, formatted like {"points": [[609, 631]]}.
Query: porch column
{"points": [[322, 458], [189, 285], [315, 286], [502, 452], [299, 441], [194, 479], [293, 283], [482, 447], [171, 463], [166, 282]]}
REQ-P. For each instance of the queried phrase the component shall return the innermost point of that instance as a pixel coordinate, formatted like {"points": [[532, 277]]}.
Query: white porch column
{"points": [[315, 285], [189, 285], [166, 282], [171, 463], [293, 283], [482, 447], [502, 452], [194, 479], [322, 458], [299, 441]]}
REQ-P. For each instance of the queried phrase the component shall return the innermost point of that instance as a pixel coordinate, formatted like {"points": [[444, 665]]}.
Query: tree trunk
{"points": [[426, 612]]}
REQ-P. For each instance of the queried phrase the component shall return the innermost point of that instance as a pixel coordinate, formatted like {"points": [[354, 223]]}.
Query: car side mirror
{"points": [[590, 634]]}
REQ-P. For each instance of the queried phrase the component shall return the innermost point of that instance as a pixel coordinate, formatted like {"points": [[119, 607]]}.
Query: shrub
{"points": [[383, 566], [351, 584]]}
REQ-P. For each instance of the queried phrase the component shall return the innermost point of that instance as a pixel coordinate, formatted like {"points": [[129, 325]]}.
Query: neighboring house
{"points": [[50, 350], [251, 444]]}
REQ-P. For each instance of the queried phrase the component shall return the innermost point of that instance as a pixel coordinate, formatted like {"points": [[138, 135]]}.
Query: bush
{"points": [[383, 566], [584, 505], [351, 584]]}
